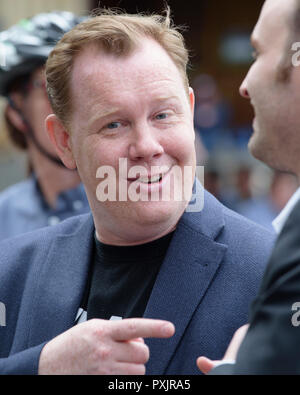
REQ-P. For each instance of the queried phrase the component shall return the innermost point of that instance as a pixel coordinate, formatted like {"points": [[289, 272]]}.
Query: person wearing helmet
{"points": [[51, 193]]}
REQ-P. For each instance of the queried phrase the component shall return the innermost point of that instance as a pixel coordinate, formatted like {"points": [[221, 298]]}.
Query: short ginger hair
{"points": [[114, 32]]}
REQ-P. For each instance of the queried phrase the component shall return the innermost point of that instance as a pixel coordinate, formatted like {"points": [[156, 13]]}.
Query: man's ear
{"points": [[192, 100], [61, 140], [192, 106]]}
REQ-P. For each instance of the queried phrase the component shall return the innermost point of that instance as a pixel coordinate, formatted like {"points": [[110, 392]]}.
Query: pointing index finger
{"points": [[133, 328]]}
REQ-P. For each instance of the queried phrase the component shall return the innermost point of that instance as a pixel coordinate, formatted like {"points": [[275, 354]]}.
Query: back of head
{"points": [[113, 32]]}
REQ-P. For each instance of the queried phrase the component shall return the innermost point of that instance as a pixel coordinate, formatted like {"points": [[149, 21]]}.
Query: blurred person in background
{"points": [[212, 113], [263, 209], [51, 193]]}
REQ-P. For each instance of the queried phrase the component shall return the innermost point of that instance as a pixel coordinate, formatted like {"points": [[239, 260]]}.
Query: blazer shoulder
{"points": [[219, 223], [247, 231], [25, 248], [249, 247]]}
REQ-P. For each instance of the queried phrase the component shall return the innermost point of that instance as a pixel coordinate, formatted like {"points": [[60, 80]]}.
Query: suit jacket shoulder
{"points": [[248, 245]]}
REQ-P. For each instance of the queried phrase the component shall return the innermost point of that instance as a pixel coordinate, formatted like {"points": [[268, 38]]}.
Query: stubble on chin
{"points": [[257, 146], [253, 143], [263, 151]]}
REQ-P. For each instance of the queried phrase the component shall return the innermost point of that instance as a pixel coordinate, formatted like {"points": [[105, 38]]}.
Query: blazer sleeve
{"points": [[23, 363], [225, 369]]}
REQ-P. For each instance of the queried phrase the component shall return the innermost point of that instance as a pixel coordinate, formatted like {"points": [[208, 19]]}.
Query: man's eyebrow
{"points": [[165, 98], [101, 115]]}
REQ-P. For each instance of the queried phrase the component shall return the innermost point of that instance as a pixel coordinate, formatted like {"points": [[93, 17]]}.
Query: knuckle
{"points": [[143, 354], [104, 353], [100, 331], [132, 326]]}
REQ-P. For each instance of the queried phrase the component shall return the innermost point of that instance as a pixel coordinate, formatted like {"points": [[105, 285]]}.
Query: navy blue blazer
{"points": [[209, 276]]}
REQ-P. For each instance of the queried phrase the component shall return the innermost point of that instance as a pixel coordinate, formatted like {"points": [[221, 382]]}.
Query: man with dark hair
{"points": [[51, 193], [90, 289], [270, 345]]}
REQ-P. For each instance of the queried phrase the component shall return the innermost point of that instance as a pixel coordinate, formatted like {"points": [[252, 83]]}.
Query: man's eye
{"points": [[113, 125], [162, 116]]}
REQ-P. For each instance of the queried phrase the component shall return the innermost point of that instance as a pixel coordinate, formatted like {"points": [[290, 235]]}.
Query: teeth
{"points": [[147, 180]]}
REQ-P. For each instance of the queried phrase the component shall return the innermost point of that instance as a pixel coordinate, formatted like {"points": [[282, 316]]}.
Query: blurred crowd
{"points": [[231, 173]]}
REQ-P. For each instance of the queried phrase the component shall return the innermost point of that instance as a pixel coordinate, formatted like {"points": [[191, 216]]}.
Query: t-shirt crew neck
{"points": [[122, 277]]}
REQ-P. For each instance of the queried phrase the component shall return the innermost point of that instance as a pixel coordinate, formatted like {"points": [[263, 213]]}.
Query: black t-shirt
{"points": [[122, 278]]}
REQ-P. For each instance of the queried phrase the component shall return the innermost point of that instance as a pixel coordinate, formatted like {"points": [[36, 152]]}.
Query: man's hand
{"points": [[205, 364], [103, 347]]}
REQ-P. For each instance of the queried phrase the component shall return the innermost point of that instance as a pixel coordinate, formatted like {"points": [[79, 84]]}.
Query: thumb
{"points": [[205, 365]]}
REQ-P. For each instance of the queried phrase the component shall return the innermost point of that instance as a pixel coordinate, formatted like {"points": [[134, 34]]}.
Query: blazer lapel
{"points": [[61, 284], [187, 271]]}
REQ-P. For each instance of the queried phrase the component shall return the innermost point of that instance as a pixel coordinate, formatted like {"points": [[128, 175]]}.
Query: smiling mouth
{"points": [[149, 180]]}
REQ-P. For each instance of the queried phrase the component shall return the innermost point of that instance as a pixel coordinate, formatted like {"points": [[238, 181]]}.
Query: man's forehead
{"points": [[148, 53], [145, 65]]}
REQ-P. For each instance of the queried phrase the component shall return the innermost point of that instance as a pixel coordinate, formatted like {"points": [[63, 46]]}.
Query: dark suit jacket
{"points": [[271, 345], [209, 276]]}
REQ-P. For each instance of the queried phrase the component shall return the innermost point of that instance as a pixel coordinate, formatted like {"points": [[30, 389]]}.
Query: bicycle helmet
{"points": [[26, 45]]}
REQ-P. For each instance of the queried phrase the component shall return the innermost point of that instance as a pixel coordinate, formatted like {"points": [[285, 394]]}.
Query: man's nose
{"points": [[244, 90], [145, 144]]}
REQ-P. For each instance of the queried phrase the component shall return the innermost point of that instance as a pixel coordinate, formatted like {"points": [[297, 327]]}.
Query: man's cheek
{"points": [[186, 151]]}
